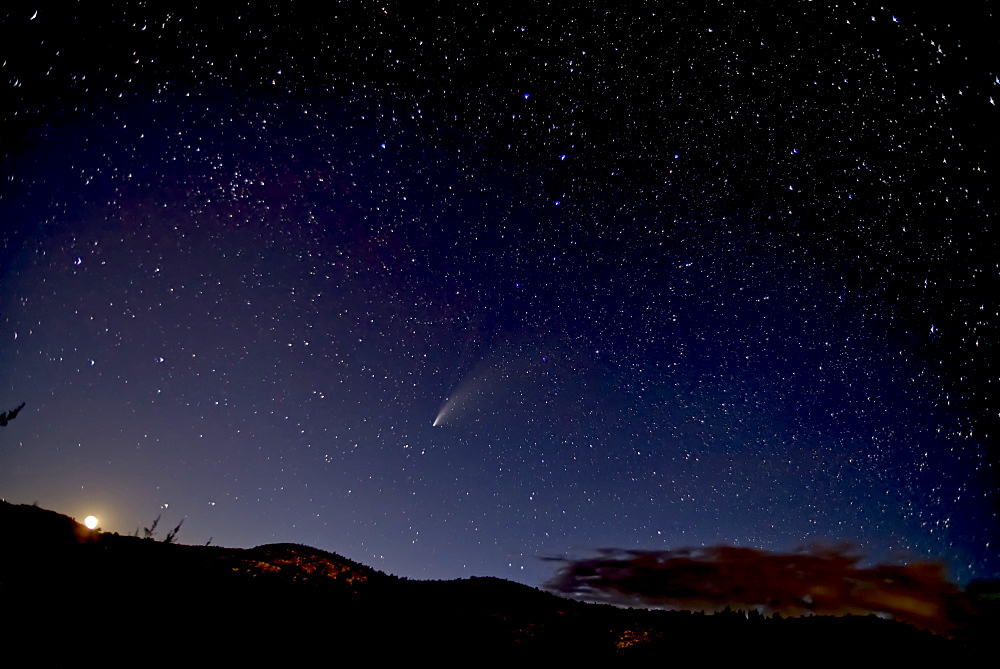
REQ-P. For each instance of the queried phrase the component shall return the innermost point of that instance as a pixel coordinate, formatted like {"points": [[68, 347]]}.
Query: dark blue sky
{"points": [[444, 290]]}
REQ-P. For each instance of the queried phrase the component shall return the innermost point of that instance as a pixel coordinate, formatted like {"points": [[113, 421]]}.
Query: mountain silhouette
{"points": [[127, 599]]}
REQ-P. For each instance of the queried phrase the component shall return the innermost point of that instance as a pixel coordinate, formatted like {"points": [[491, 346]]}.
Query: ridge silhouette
{"points": [[286, 602]]}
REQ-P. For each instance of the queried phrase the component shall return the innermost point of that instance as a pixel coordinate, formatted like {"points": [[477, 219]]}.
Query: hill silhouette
{"points": [[71, 592]]}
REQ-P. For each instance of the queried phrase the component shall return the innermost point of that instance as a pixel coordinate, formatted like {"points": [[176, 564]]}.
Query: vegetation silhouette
{"points": [[150, 532], [7, 416]]}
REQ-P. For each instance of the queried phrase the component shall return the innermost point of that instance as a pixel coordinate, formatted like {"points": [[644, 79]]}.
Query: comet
{"points": [[471, 386], [447, 408]]}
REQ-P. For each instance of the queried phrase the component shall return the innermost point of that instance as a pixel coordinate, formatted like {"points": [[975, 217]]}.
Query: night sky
{"points": [[446, 287]]}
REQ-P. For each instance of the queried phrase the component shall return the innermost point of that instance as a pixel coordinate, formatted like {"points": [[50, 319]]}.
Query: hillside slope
{"points": [[129, 598]]}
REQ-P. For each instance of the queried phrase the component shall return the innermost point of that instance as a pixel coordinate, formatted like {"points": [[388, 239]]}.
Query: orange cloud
{"points": [[819, 581]]}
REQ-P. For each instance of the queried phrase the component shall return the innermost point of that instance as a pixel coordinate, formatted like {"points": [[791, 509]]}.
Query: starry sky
{"points": [[444, 287]]}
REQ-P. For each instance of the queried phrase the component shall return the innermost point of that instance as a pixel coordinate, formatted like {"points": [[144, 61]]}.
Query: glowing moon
{"points": [[90, 522]]}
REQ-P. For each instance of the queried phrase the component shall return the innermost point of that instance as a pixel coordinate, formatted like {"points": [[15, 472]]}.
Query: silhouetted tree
{"points": [[148, 532], [172, 534], [7, 416]]}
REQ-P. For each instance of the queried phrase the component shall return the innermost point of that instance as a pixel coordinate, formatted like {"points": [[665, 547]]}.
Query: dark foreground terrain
{"points": [[74, 595]]}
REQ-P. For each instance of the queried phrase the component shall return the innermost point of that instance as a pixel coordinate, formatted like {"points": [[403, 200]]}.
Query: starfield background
{"points": [[447, 287]]}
